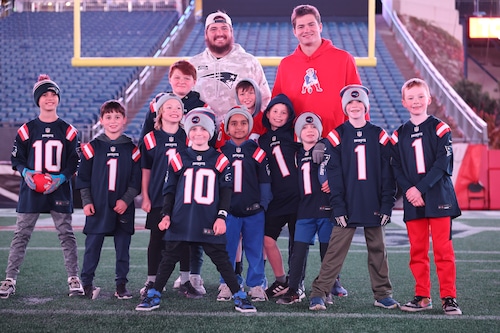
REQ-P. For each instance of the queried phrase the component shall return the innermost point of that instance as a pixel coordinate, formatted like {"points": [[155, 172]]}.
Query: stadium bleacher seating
{"points": [[277, 39], [36, 43]]}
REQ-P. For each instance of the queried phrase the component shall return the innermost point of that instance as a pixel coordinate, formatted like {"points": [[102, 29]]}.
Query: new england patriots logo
{"points": [[225, 77], [311, 80]]}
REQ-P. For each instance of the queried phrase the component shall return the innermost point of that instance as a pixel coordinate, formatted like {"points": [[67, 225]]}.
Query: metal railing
{"points": [[474, 129]]}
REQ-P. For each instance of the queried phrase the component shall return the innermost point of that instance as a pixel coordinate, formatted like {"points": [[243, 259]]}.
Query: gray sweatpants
{"points": [[338, 246], [24, 228]]}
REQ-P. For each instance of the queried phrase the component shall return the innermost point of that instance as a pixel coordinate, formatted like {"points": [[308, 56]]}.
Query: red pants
{"points": [[439, 228]]}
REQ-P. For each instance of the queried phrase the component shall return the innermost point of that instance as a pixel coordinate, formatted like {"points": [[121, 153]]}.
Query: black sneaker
{"points": [[277, 289], [450, 306], [122, 292], [419, 303], [91, 291], [290, 297], [189, 291]]}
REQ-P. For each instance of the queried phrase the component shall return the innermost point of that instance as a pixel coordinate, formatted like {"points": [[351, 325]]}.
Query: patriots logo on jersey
{"points": [[224, 77]]}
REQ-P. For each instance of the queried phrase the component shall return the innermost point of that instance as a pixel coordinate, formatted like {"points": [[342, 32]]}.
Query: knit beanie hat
{"points": [[161, 99], [239, 109], [355, 92], [218, 17], [200, 117], [307, 118], [43, 85]]}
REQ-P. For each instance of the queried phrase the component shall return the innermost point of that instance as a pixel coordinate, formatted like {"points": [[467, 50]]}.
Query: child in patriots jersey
{"points": [[197, 196], [248, 95], [160, 146], [422, 160], [313, 215], [109, 178], [45, 145], [281, 149], [251, 197], [362, 190]]}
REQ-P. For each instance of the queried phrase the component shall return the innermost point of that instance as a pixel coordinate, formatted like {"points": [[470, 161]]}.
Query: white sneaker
{"points": [[258, 294], [7, 288], [225, 293], [197, 283], [177, 283], [75, 286]]}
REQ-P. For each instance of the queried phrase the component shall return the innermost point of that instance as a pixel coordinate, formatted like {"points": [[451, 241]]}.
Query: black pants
{"points": [[173, 251]]}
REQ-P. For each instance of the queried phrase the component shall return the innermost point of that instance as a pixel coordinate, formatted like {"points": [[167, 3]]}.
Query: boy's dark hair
{"points": [[112, 106], [185, 67], [244, 85], [303, 10]]}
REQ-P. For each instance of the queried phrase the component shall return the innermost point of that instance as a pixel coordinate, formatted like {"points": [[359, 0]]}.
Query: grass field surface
{"points": [[41, 303]]}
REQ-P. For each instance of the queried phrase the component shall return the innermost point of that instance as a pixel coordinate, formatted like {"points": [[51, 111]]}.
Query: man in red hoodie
{"points": [[313, 75]]}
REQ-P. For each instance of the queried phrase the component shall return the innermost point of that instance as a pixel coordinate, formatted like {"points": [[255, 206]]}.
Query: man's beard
{"points": [[223, 49]]}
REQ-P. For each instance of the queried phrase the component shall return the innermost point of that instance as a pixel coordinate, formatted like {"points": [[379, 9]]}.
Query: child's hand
{"points": [[219, 227], [89, 210], [164, 223], [120, 207], [414, 197], [325, 188], [146, 204]]}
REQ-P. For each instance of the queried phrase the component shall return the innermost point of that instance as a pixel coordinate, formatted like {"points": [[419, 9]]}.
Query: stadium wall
{"points": [[283, 8]]}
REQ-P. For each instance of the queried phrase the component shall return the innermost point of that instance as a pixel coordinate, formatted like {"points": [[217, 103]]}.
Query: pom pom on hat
{"points": [[239, 109], [200, 117], [355, 92], [44, 85], [307, 118], [161, 99], [218, 17]]}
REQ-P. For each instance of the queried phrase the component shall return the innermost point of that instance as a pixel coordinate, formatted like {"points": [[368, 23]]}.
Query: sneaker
{"points": [[91, 291], [242, 304], [75, 286], [338, 290], [450, 306], [144, 290], [290, 297], [258, 294], [386, 303], [188, 290], [418, 303], [177, 283], [277, 289], [7, 288], [329, 299], [224, 293], [151, 302], [317, 304], [301, 291], [122, 292], [197, 283]]}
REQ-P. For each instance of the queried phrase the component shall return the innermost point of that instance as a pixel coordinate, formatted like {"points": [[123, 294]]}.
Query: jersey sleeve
{"points": [[19, 156], [397, 168], [85, 167], [335, 177], [72, 143], [388, 181]]}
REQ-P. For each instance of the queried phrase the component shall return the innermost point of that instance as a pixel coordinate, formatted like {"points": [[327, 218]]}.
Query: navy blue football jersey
{"points": [[195, 178], [158, 148], [314, 203], [359, 174], [423, 157], [281, 151], [250, 169], [109, 168], [47, 148]]}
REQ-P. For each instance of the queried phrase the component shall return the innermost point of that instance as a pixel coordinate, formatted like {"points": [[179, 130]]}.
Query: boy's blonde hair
{"points": [[414, 82]]}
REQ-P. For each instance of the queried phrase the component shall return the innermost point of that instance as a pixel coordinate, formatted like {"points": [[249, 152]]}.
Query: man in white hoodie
{"points": [[223, 64]]}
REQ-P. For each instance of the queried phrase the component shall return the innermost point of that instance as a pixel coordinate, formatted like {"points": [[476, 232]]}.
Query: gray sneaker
{"points": [[75, 286], [7, 288]]}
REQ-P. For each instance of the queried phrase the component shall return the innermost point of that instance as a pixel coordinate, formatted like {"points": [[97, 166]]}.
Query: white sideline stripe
{"points": [[58, 248], [12, 196], [311, 314]]}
